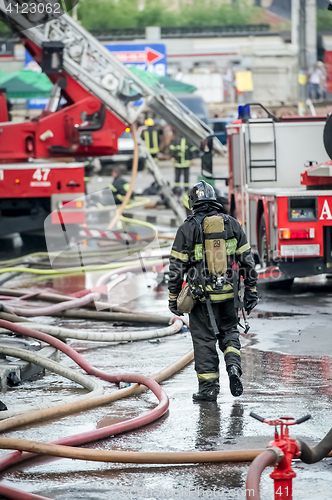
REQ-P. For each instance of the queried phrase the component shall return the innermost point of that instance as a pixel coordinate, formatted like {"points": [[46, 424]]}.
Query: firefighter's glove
{"points": [[250, 299], [172, 306]]}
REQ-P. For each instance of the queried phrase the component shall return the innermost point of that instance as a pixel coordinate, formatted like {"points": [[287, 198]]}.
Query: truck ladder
{"points": [[96, 69], [262, 150]]}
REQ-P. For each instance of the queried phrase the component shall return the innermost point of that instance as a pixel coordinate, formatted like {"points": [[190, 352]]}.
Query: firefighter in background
{"points": [[182, 154], [120, 185], [151, 137], [206, 248]]}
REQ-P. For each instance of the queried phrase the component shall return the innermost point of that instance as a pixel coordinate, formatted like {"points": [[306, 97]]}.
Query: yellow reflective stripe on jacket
{"points": [[112, 188], [207, 376], [172, 296], [181, 256], [220, 290], [243, 249], [221, 296], [232, 349], [126, 186]]}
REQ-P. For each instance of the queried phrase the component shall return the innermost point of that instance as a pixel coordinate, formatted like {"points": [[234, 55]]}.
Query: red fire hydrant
{"points": [[287, 448]]}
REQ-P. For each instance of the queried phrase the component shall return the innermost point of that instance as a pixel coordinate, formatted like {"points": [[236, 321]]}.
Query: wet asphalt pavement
{"points": [[287, 370]]}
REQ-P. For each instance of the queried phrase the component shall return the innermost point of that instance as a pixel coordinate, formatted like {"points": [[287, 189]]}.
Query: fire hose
{"points": [[55, 308], [91, 385], [316, 454], [97, 434], [52, 297], [87, 298], [132, 181], [124, 457], [77, 358], [130, 336], [67, 270]]}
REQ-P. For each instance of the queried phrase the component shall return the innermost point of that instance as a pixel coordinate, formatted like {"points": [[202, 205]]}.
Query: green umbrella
{"points": [[154, 81], [25, 84]]}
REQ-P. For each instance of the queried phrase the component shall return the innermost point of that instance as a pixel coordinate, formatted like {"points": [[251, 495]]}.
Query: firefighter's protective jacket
{"points": [[182, 152], [151, 139], [187, 253]]}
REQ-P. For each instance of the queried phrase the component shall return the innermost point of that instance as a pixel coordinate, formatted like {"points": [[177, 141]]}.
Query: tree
{"points": [[101, 14], [324, 20]]}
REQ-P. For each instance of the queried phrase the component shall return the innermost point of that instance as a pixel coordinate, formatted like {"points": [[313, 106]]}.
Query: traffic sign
{"points": [[151, 57]]}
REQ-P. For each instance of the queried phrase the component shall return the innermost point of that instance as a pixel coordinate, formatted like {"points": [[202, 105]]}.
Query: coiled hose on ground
{"points": [[134, 423], [113, 456], [91, 370], [55, 308], [92, 385], [130, 336], [53, 297]]}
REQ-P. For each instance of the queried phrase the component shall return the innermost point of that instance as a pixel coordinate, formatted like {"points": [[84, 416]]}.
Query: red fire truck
{"points": [[101, 98], [34, 178], [280, 189]]}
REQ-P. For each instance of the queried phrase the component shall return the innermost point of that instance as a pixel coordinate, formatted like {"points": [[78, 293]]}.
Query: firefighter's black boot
{"points": [[208, 390], [235, 383]]}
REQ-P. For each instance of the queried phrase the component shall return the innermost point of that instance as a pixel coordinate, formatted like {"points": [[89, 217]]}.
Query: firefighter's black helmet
{"points": [[200, 192]]}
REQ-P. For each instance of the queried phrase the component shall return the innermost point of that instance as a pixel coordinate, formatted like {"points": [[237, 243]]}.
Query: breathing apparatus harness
{"points": [[217, 276]]}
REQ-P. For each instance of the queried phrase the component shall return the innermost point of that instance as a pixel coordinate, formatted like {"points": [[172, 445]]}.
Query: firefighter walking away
{"points": [[211, 249]]}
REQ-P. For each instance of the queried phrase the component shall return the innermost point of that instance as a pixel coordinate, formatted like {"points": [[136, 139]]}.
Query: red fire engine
{"points": [[280, 189], [32, 182], [102, 97]]}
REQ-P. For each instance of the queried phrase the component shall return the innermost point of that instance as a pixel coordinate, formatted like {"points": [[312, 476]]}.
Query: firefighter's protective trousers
{"points": [[178, 173], [205, 340]]}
